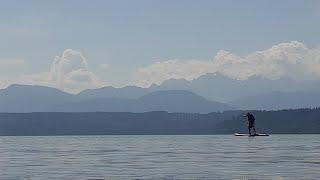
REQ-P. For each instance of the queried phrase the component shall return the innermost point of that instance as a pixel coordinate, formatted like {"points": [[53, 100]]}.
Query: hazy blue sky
{"points": [[118, 37]]}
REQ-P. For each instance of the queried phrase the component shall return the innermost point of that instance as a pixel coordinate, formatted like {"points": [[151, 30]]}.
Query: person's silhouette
{"points": [[251, 123]]}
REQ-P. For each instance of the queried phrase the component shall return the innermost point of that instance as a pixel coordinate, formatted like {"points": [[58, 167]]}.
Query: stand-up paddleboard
{"points": [[238, 134]]}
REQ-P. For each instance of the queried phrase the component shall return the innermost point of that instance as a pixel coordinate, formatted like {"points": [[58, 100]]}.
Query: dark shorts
{"points": [[251, 124]]}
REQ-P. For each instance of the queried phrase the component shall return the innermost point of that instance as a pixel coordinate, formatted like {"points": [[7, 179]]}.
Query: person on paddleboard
{"points": [[251, 122]]}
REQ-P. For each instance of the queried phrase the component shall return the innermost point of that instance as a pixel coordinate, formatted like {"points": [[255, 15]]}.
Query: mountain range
{"points": [[221, 88], [170, 101], [208, 93], [279, 100], [26, 98], [216, 87]]}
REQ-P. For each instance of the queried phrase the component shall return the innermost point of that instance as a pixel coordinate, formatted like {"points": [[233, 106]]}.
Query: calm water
{"points": [[160, 157]]}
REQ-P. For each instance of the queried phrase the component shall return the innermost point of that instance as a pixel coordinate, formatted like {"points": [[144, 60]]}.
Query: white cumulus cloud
{"points": [[291, 59], [70, 72], [171, 69]]}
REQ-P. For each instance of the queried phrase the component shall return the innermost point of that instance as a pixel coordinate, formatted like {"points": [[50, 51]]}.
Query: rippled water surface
{"points": [[160, 157]]}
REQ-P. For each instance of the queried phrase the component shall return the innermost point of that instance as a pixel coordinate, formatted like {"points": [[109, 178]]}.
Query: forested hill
{"points": [[100, 123]]}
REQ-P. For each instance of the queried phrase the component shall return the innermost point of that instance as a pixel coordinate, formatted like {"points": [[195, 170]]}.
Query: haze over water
{"points": [[160, 157]]}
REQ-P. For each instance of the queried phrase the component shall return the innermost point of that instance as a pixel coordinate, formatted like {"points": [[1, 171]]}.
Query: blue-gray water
{"points": [[160, 157]]}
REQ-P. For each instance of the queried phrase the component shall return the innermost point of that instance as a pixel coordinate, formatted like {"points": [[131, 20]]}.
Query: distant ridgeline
{"points": [[158, 122]]}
